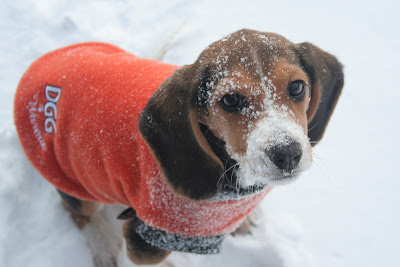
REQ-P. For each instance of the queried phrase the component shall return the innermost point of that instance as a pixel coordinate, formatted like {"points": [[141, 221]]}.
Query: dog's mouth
{"points": [[229, 186], [285, 179], [229, 191]]}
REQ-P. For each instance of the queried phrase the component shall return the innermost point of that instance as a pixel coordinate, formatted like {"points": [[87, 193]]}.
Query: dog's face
{"points": [[246, 113], [258, 107]]}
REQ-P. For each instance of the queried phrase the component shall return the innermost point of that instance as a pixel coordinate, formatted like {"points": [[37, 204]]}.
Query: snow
{"points": [[276, 129], [341, 212]]}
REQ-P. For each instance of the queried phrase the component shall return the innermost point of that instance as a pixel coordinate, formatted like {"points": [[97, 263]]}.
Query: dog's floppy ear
{"points": [[169, 124], [327, 79]]}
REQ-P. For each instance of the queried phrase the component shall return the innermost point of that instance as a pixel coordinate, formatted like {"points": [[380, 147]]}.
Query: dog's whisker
{"points": [[237, 188], [321, 163], [224, 174], [233, 172], [219, 180], [312, 127]]}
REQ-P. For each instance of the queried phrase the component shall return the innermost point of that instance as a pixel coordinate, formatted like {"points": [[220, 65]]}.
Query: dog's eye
{"points": [[232, 102], [297, 90]]}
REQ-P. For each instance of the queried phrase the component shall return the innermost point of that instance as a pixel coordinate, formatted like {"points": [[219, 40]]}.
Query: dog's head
{"points": [[246, 113]]}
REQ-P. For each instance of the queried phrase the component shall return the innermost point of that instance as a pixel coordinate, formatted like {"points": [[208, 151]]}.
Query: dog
{"points": [[190, 150]]}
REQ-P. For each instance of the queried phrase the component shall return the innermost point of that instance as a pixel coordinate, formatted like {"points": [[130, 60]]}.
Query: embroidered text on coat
{"points": [[50, 109]]}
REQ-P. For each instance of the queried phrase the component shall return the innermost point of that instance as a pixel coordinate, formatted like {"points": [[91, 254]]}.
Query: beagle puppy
{"points": [[190, 150]]}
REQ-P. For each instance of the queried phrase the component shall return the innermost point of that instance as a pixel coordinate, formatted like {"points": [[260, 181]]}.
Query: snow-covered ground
{"points": [[342, 212]]}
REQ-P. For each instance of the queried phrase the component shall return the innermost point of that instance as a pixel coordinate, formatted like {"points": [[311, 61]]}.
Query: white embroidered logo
{"points": [[33, 114], [50, 109]]}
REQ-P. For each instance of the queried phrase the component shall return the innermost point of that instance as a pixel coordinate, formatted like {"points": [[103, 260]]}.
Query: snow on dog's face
{"points": [[262, 118], [244, 115]]}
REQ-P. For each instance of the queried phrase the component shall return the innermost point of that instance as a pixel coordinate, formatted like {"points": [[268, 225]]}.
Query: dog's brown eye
{"points": [[232, 102], [297, 89]]}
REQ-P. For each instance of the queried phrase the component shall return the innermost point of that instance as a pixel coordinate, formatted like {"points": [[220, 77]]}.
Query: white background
{"points": [[342, 212]]}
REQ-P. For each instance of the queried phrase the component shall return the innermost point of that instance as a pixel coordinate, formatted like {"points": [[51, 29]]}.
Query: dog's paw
{"points": [[138, 250], [80, 220], [103, 238], [166, 264], [246, 226], [105, 261]]}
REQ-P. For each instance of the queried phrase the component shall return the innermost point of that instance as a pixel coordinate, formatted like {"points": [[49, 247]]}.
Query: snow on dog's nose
{"points": [[278, 150]]}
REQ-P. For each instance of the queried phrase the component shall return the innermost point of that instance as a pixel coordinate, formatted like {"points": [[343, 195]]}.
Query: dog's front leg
{"points": [[81, 210], [138, 250]]}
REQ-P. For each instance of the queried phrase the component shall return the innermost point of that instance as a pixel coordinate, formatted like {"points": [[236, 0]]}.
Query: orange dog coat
{"points": [[76, 113]]}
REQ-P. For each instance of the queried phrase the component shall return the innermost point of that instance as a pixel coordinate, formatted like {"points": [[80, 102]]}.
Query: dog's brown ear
{"points": [[169, 124], [327, 79]]}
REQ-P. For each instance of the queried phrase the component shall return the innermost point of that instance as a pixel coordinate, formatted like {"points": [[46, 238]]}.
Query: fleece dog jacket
{"points": [[77, 111]]}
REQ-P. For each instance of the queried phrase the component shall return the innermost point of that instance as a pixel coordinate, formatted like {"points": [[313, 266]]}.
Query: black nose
{"points": [[286, 157]]}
